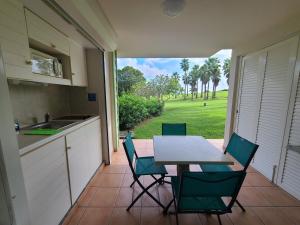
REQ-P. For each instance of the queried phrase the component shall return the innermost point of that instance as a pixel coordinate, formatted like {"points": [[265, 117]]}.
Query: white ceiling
{"points": [[203, 28]]}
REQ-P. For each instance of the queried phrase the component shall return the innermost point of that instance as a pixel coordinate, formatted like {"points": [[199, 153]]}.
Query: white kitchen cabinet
{"points": [[78, 64], [84, 156], [14, 39], [46, 181], [43, 35], [78, 161]]}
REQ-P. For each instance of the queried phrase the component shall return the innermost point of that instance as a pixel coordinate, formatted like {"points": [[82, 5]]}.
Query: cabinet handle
{"points": [[28, 62], [68, 147], [53, 45], [73, 74]]}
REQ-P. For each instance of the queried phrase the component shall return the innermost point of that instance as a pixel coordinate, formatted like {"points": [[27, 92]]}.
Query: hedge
{"points": [[134, 109]]}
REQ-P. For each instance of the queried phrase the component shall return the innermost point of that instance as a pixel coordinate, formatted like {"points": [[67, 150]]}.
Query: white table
{"points": [[185, 150]]}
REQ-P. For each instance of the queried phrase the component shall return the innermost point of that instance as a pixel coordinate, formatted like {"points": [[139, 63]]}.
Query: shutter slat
{"points": [[247, 119], [291, 171], [274, 106]]}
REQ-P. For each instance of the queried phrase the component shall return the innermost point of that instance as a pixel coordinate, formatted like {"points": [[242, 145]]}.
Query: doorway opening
{"points": [[153, 91]]}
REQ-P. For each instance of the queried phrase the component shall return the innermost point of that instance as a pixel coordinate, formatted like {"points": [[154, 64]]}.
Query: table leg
{"points": [[182, 168]]}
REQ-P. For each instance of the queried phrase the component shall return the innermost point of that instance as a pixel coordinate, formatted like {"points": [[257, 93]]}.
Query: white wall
{"points": [[97, 84], [35, 100], [108, 66], [232, 96]]}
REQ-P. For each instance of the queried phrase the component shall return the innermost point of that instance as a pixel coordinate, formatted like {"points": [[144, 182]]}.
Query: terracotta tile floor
{"points": [[108, 194]]}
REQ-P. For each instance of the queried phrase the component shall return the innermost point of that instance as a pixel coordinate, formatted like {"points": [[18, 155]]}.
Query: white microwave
{"points": [[45, 64]]}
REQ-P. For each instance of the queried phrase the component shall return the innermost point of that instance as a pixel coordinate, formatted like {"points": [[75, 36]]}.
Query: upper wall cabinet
{"points": [[14, 39], [44, 36], [78, 64]]}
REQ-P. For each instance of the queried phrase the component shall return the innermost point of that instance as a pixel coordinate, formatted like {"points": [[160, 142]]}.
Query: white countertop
{"points": [[28, 143], [173, 150]]}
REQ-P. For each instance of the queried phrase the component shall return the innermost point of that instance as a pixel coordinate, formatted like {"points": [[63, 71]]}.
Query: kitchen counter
{"points": [[28, 143]]}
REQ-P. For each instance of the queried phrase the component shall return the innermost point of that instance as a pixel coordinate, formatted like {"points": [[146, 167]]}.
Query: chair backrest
{"points": [[212, 184], [173, 129], [241, 149], [129, 149]]}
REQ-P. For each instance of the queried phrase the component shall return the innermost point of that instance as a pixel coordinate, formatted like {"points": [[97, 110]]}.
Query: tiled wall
{"points": [[31, 101]]}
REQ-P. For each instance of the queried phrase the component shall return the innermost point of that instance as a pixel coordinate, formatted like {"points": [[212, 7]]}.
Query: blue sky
{"points": [[151, 67]]}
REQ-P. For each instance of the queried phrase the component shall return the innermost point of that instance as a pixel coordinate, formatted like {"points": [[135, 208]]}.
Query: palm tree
{"points": [[201, 77], [215, 81], [185, 80], [226, 69], [193, 78], [185, 64], [214, 72], [205, 79]]}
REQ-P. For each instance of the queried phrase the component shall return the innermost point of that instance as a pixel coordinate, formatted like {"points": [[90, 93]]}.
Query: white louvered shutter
{"points": [[290, 178], [277, 84], [249, 97]]}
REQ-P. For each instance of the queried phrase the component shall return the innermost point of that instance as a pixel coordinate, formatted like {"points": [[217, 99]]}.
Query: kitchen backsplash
{"points": [[31, 101]]}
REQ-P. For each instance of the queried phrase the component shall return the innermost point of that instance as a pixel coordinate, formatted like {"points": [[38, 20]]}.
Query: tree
{"points": [[202, 72], [205, 79], [226, 69], [161, 85], [127, 78], [185, 65], [174, 85], [176, 76], [193, 78], [214, 73]]}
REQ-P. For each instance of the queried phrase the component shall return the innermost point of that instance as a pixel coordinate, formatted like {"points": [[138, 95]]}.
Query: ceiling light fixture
{"points": [[173, 8]]}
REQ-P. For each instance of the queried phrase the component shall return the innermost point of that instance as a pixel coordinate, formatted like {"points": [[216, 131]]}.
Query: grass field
{"points": [[207, 121]]}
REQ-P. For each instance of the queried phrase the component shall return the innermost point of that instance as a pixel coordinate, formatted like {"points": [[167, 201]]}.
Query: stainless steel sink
{"points": [[57, 125], [74, 117]]}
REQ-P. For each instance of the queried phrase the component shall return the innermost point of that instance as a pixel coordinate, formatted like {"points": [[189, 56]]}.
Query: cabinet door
{"points": [[14, 39], [93, 138], [78, 161], [46, 181], [42, 33], [78, 64]]}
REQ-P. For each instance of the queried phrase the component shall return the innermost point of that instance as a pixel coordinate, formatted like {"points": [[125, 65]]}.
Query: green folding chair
{"points": [[173, 129], [202, 192], [142, 166], [240, 149]]}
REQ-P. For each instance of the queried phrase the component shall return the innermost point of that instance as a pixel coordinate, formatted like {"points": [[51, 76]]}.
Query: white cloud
{"points": [[153, 61], [122, 62], [151, 71], [148, 68], [197, 61], [151, 67]]}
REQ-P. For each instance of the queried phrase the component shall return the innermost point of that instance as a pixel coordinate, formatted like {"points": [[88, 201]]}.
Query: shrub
{"points": [[154, 107], [134, 109]]}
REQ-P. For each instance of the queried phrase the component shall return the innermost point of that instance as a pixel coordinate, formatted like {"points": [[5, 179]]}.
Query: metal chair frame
{"points": [[136, 179], [245, 166], [218, 213]]}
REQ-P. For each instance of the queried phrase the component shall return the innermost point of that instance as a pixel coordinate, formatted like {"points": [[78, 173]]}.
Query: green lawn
{"points": [[207, 121]]}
